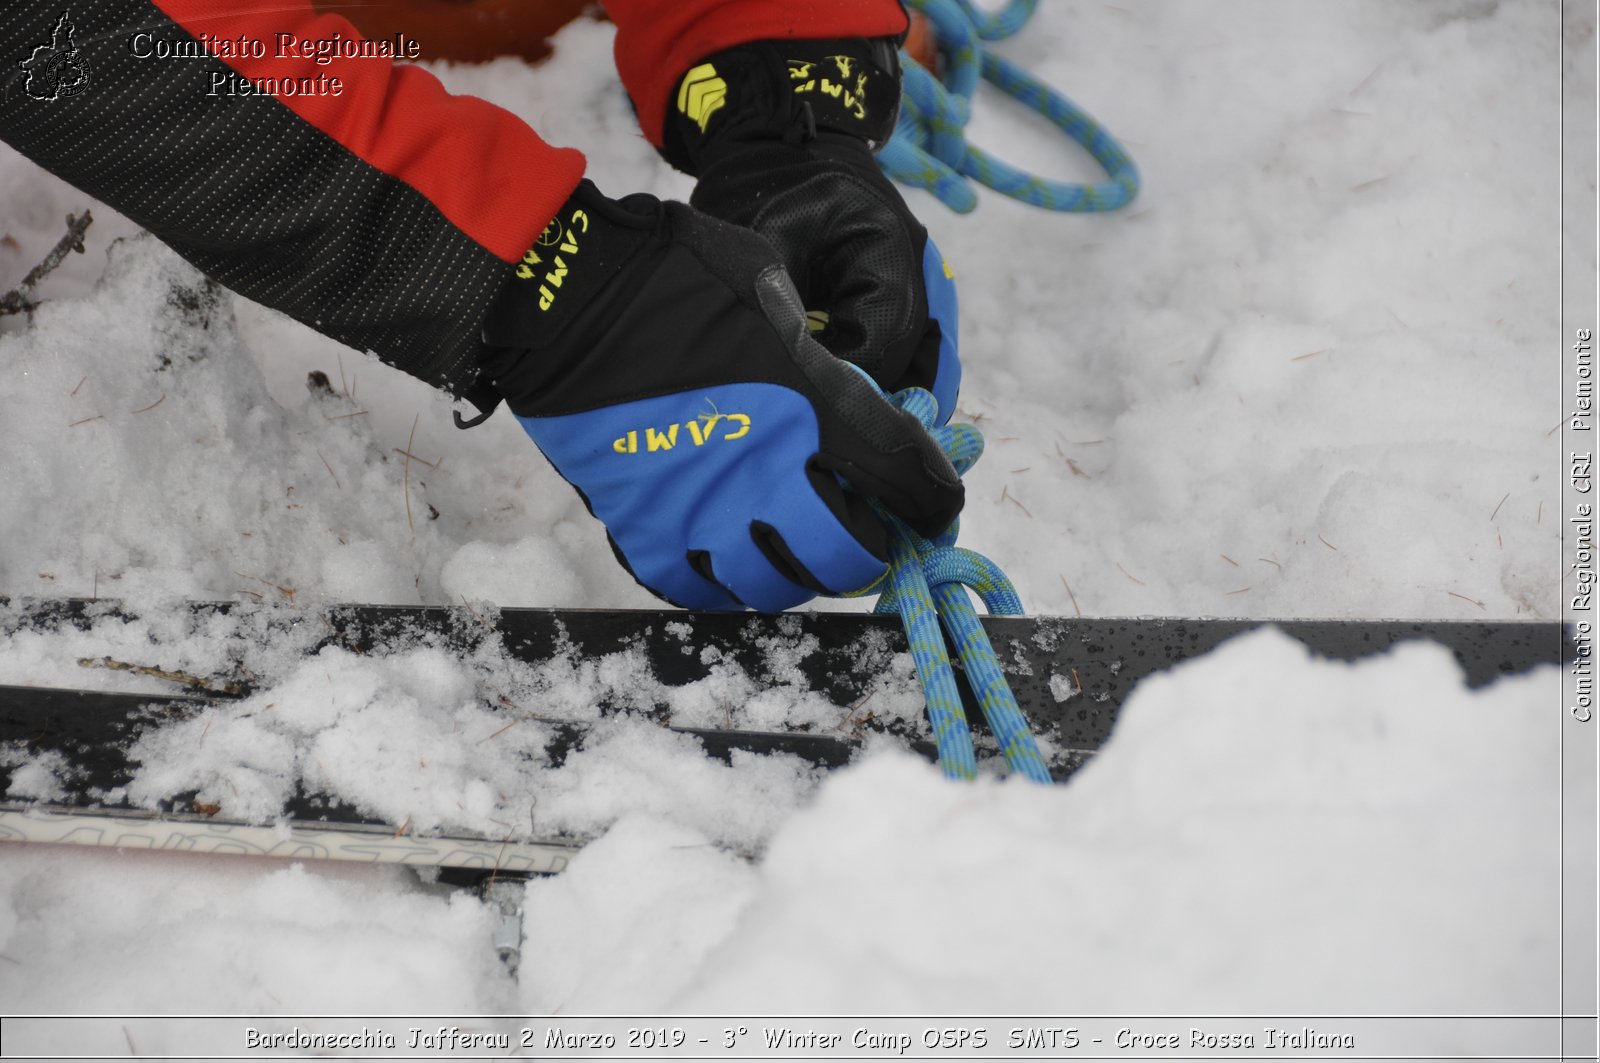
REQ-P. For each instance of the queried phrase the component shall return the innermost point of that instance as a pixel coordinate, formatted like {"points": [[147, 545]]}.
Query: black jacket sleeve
{"points": [[290, 161]]}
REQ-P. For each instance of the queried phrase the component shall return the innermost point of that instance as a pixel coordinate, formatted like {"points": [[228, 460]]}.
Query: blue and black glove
{"points": [[780, 136], [661, 361]]}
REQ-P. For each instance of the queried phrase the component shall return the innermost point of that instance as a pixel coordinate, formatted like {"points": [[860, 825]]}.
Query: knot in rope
{"points": [[926, 584], [929, 148]]}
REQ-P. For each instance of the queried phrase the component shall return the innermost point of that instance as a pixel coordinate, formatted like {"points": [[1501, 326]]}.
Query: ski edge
{"points": [[287, 840]]}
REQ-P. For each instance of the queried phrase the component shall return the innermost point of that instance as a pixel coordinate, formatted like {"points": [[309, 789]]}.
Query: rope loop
{"points": [[926, 584], [929, 148]]}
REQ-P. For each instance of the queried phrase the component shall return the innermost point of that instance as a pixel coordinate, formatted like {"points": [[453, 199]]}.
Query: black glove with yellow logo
{"points": [[780, 135], [660, 359]]}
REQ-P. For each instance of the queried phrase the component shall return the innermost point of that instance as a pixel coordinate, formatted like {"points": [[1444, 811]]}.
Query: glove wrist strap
{"points": [[783, 90]]}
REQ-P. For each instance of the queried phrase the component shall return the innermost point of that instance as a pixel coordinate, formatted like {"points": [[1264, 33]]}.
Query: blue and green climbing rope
{"points": [[929, 148], [925, 585]]}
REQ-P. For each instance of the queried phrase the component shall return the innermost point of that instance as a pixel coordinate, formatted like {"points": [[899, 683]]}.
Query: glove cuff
{"points": [[783, 90], [560, 280]]}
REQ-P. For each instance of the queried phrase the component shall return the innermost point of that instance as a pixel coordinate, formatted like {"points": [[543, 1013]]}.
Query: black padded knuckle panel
{"points": [[780, 301], [732, 253], [853, 256], [848, 240]]}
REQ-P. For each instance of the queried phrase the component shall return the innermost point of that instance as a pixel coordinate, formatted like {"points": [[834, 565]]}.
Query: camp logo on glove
{"points": [[854, 101], [701, 94], [702, 430], [565, 241], [733, 461]]}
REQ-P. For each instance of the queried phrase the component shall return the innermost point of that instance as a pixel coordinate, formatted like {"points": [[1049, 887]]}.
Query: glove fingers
{"points": [[803, 545], [937, 359], [899, 320], [742, 567], [881, 450], [865, 277], [829, 541], [846, 239], [696, 588]]}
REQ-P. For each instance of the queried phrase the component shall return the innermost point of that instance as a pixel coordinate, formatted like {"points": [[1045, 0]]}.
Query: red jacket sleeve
{"points": [[658, 41], [470, 158], [351, 192]]}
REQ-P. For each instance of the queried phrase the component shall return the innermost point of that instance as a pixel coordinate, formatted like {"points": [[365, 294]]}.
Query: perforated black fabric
{"points": [[848, 240], [857, 402], [789, 155], [250, 194], [842, 241]]}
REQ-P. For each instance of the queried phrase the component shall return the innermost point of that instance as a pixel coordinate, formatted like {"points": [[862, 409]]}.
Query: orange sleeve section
{"points": [[658, 41], [485, 169]]}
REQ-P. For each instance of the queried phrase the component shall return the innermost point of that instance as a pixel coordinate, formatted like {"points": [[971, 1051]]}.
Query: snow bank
{"points": [[157, 933], [1264, 834]]}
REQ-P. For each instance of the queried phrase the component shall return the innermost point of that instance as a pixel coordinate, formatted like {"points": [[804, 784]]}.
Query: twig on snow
{"points": [[1074, 598], [18, 300], [406, 476]]}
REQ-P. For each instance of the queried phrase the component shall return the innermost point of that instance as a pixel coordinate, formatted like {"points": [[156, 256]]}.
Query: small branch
{"points": [[17, 300], [412, 457], [183, 678], [287, 592], [1006, 496], [1074, 598], [325, 465], [1366, 80], [406, 475]]}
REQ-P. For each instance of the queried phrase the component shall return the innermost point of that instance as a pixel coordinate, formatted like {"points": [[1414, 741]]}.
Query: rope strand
{"points": [[929, 148], [927, 585]]}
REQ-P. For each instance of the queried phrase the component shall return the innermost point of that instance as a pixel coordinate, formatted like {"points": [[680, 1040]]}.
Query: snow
{"points": [[1216, 899], [1299, 377]]}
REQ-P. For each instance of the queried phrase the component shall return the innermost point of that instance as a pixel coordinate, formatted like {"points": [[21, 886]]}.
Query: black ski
{"points": [[1070, 676]]}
